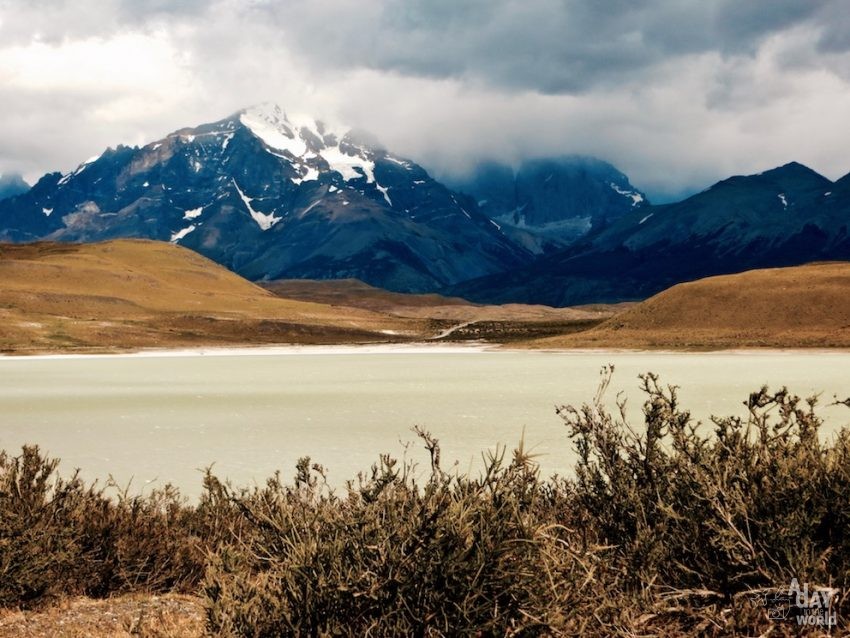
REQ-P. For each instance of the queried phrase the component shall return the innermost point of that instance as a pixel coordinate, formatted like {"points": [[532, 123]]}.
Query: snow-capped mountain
{"points": [[271, 195], [549, 203]]}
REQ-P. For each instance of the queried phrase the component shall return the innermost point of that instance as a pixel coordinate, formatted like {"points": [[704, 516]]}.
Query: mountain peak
{"points": [[792, 169], [273, 194], [12, 184], [304, 140], [297, 133], [797, 177]]}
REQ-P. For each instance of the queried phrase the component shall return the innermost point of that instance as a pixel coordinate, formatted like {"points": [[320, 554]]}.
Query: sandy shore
{"points": [[408, 348], [265, 351]]}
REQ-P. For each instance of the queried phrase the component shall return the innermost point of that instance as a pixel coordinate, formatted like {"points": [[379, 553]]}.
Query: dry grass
{"points": [[135, 294], [800, 307], [130, 294], [508, 323], [662, 531], [356, 294]]}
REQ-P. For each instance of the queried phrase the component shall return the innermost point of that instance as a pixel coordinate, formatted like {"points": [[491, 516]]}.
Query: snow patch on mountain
{"points": [[191, 214], [272, 127], [180, 234], [636, 197], [385, 193], [403, 163], [304, 139], [67, 177], [311, 175], [310, 207], [347, 165], [264, 220]]}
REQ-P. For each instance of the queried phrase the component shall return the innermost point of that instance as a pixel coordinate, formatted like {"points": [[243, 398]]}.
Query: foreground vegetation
{"points": [[666, 530]]}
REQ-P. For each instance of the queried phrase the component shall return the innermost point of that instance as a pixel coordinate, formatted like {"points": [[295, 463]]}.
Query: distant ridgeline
{"points": [[12, 184], [783, 217], [274, 196]]}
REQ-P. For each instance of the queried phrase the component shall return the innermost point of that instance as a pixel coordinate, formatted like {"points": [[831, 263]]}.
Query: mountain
{"points": [[270, 195], [786, 216], [549, 203], [841, 188], [799, 306], [12, 184], [140, 294]]}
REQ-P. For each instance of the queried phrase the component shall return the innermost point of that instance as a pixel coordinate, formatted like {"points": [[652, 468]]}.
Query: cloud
{"points": [[550, 46], [677, 93]]}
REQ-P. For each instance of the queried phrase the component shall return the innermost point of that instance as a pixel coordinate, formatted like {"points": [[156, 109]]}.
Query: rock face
{"points": [[547, 204], [11, 185], [272, 196], [783, 217]]}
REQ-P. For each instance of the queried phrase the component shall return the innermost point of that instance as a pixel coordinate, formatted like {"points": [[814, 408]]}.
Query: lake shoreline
{"points": [[423, 347], [159, 416]]}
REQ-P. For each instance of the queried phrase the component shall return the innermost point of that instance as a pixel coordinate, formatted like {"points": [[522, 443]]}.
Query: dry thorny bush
{"points": [[662, 531]]}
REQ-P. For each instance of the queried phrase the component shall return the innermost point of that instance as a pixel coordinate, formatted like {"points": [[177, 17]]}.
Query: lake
{"points": [[162, 418]]}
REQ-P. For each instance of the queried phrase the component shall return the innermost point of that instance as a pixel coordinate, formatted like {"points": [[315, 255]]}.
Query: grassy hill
{"points": [[452, 317], [130, 294], [801, 306], [355, 293], [137, 294]]}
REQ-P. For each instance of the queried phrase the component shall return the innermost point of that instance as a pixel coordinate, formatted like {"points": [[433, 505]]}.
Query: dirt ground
{"points": [[167, 616]]}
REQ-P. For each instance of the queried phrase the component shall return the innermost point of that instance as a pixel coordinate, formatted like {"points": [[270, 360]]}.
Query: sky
{"points": [[676, 93]]}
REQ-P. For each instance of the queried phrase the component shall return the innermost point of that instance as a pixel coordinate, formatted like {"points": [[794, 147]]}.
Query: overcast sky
{"points": [[676, 93]]}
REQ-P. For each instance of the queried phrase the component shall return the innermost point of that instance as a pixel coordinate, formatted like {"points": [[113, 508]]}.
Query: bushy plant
{"points": [[60, 536], [669, 529], [390, 557], [708, 516]]}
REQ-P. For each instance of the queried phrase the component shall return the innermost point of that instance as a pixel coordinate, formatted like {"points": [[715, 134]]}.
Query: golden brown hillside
{"points": [[802, 306], [355, 293], [451, 317], [128, 294]]}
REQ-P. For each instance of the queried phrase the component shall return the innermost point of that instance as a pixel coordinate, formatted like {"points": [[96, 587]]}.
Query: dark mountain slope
{"points": [[273, 196], [783, 217], [549, 203]]}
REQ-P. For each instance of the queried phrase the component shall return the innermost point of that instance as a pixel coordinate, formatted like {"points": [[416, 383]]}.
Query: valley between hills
{"points": [[266, 228], [126, 295], [130, 295]]}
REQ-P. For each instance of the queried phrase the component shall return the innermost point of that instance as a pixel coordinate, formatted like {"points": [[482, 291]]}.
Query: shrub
{"points": [[391, 557], [670, 529], [60, 536], [759, 503]]}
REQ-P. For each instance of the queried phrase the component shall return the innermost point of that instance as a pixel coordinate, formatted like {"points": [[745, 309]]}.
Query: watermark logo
{"points": [[814, 607]]}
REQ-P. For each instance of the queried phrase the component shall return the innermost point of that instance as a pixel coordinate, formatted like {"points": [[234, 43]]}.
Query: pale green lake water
{"points": [[161, 419]]}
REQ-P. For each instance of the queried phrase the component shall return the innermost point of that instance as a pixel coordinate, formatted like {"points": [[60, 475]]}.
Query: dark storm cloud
{"points": [[835, 37], [551, 46], [677, 93]]}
